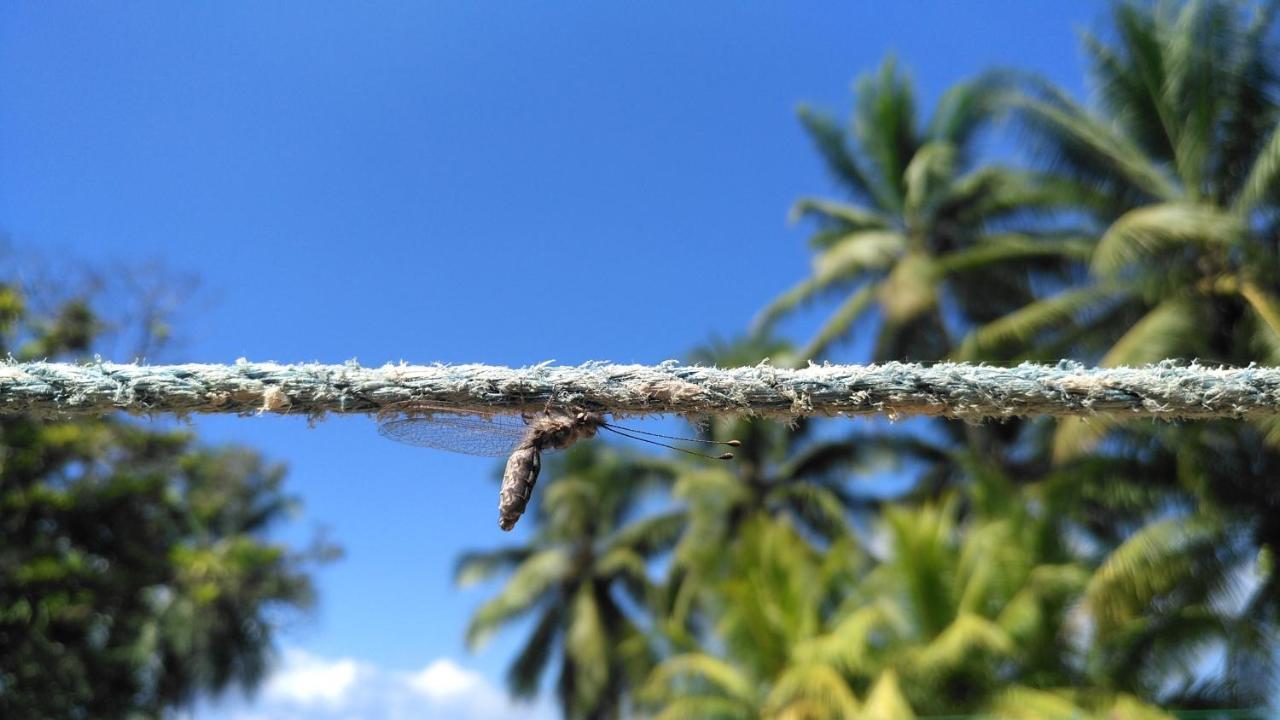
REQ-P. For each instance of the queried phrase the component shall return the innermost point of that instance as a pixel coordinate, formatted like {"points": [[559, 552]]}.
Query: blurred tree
{"points": [[1178, 170], [960, 611], [1180, 526], [1034, 571], [583, 574], [778, 470], [932, 242], [776, 595], [954, 617], [134, 571], [1178, 167], [929, 239]]}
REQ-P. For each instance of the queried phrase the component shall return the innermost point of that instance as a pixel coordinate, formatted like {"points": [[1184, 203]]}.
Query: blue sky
{"points": [[455, 182]]}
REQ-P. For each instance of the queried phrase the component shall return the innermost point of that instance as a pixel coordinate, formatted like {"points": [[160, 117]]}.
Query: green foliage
{"points": [[772, 598], [922, 221], [1182, 140], [952, 617], [579, 574], [779, 470], [134, 572], [1074, 569]]}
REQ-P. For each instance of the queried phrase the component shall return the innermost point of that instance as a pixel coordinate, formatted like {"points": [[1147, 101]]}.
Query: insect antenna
{"points": [[730, 443], [627, 434]]}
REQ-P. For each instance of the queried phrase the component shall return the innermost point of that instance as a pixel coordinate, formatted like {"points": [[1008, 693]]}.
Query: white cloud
{"points": [[305, 679], [444, 680], [310, 687]]}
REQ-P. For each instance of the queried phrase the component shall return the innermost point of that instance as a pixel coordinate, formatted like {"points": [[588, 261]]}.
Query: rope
{"points": [[1167, 390]]}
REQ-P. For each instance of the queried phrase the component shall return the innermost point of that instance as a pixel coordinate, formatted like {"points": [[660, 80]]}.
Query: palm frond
{"points": [[650, 535], [1089, 149], [1264, 304], [821, 458], [1145, 44], [851, 644], [913, 447], [700, 707], [992, 564], [965, 106], [1023, 703], [1025, 617], [1151, 562], [966, 635], [1013, 247], [829, 140], [1127, 95], [1264, 341], [992, 193], [928, 174], [1269, 427], [858, 253], [1250, 111], [572, 492], [817, 506], [1198, 56], [1073, 437], [922, 545], [1022, 326], [787, 303], [525, 673], [708, 485], [817, 686], [1151, 232], [1131, 708], [520, 595], [837, 326], [885, 126], [474, 567], [845, 216], [586, 642], [1166, 641], [1263, 179], [1169, 330], [718, 675], [886, 701], [622, 562]]}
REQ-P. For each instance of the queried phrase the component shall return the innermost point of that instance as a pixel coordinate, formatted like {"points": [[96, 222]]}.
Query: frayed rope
{"points": [[1167, 390]]}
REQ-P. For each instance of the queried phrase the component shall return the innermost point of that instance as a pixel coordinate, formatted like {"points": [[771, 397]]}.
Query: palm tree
{"points": [[779, 470], [957, 612], [1178, 167], [931, 240], [586, 564], [1186, 564], [775, 597], [923, 225], [953, 616]]}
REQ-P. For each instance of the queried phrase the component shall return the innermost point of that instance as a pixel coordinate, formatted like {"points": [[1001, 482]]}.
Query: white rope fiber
{"points": [[1167, 390]]}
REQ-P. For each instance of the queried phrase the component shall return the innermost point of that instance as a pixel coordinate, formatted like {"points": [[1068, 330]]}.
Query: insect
{"points": [[524, 437]]}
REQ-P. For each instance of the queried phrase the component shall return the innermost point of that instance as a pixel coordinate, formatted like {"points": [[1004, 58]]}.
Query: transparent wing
{"points": [[446, 429]]}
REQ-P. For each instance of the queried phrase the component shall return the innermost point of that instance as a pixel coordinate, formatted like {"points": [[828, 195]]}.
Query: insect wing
{"points": [[445, 429]]}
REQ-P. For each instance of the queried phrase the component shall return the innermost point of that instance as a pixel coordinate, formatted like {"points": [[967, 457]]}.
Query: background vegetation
{"points": [[135, 571], [1032, 568], [1029, 569]]}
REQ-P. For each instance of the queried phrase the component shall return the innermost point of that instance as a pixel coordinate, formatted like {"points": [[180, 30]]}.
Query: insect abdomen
{"points": [[517, 484]]}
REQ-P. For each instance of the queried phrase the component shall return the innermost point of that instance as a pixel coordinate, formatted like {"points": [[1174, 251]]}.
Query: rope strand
{"points": [[1168, 390]]}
